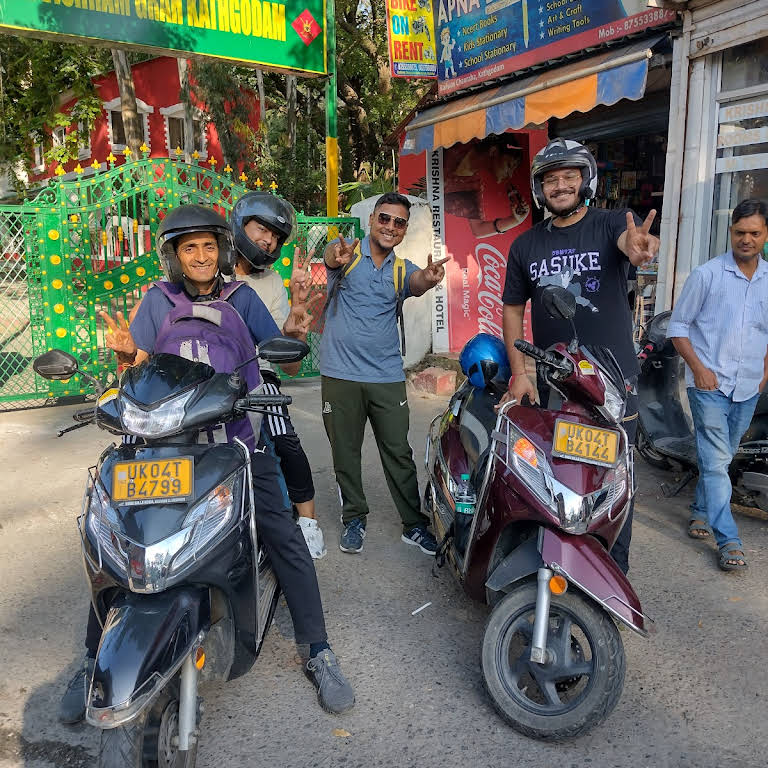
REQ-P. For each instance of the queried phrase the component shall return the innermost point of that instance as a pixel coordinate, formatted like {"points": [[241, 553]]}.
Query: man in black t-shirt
{"points": [[588, 251]]}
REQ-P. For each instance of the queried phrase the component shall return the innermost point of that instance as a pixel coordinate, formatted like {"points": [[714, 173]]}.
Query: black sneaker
{"points": [[352, 536], [73, 702], [334, 692], [420, 537]]}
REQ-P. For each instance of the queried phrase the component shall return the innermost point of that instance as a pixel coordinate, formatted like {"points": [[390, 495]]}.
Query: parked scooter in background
{"points": [[552, 489], [665, 436], [180, 584]]}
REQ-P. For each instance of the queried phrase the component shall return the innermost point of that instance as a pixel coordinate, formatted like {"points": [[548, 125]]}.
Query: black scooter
{"points": [[178, 580], [665, 436]]}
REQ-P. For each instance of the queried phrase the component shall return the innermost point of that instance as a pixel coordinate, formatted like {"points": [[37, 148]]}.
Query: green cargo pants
{"points": [[347, 405]]}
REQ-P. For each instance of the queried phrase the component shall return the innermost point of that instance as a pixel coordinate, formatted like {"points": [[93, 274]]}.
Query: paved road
{"points": [[694, 697]]}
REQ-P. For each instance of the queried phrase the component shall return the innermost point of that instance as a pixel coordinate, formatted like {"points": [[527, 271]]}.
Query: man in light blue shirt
{"points": [[719, 326], [361, 369]]}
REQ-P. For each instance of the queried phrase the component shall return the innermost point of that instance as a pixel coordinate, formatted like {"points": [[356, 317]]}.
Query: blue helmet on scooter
{"points": [[484, 358]]}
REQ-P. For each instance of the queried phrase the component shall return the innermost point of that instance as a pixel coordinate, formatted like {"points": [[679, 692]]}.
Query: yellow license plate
{"points": [[150, 480], [585, 443]]}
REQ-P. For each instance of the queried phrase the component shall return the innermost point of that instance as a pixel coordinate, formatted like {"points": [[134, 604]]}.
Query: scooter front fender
{"points": [[585, 564], [145, 640]]}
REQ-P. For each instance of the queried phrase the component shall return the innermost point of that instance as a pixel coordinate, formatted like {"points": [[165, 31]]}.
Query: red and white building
{"points": [[161, 112]]}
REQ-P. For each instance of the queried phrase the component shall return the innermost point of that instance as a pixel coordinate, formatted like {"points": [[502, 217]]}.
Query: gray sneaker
{"points": [[420, 537], [334, 692], [352, 536], [73, 702]]}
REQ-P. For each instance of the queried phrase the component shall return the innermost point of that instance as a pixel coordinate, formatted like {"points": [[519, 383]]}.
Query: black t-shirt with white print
{"points": [[585, 259]]}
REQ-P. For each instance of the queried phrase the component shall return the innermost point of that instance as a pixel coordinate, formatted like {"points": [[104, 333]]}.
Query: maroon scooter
{"points": [[553, 487]]}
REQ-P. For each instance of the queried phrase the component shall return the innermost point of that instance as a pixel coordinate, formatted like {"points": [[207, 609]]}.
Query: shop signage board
{"points": [[742, 163], [478, 40], [742, 138], [286, 35], [410, 33]]}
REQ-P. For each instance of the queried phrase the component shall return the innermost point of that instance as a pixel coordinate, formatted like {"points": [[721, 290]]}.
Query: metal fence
{"points": [[87, 245]]}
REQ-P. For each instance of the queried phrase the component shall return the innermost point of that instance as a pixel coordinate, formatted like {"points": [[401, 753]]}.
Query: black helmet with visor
{"points": [[275, 213], [187, 219], [564, 153]]}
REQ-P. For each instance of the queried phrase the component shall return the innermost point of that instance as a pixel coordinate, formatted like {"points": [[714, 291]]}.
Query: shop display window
{"points": [[741, 166]]}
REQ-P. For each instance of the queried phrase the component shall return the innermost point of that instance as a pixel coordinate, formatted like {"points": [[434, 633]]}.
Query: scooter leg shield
{"points": [[144, 642], [585, 563]]}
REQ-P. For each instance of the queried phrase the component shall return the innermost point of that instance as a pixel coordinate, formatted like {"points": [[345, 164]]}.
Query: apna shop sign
{"points": [[479, 40], [283, 35]]}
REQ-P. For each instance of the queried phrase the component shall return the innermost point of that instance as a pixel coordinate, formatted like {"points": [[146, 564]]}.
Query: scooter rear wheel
{"points": [[148, 741], [576, 689], [646, 450]]}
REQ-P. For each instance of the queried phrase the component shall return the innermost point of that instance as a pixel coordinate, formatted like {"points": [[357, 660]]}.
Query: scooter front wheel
{"points": [[149, 741], [578, 686]]}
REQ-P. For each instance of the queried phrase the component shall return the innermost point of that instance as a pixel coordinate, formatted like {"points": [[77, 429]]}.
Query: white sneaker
{"points": [[313, 536]]}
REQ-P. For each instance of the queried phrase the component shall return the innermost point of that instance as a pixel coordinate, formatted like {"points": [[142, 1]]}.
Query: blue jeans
{"points": [[720, 424]]}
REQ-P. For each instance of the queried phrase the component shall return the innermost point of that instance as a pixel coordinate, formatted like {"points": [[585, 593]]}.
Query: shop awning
{"points": [[578, 87]]}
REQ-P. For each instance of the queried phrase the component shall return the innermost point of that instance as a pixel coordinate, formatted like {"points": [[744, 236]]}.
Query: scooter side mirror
{"points": [[55, 364], [283, 349], [559, 302]]}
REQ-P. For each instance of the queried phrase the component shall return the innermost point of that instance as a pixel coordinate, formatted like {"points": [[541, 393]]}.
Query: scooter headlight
{"points": [[207, 519], [615, 401], [529, 464], [103, 523], [164, 419]]}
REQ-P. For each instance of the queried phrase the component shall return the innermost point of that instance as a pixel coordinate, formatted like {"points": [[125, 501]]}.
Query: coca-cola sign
{"points": [[480, 202], [492, 266]]}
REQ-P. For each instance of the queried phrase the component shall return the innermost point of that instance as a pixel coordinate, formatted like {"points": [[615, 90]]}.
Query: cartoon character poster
{"points": [[481, 201]]}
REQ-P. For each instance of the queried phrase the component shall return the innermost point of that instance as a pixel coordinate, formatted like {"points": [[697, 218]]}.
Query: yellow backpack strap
{"points": [[344, 272], [398, 269], [398, 275], [352, 264]]}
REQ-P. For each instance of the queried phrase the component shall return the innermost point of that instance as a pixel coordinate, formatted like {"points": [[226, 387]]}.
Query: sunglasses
{"points": [[399, 221]]}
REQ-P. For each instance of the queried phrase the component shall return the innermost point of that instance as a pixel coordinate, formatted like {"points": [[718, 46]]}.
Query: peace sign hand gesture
{"points": [[118, 337], [342, 252], [434, 272], [301, 278], [637, 243]]}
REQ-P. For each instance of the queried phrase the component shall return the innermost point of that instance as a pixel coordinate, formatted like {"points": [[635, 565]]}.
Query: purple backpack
{"points": [[212, 332]]}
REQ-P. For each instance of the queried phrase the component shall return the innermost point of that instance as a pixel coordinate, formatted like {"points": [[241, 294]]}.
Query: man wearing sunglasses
{"points": [[362, 368]]}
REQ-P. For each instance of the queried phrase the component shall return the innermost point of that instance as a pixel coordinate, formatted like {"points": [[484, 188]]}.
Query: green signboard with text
{"points": [[284, 35]]}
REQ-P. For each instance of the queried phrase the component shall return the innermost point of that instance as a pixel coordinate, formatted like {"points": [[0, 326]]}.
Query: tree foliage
{"points": [[37, 77]]}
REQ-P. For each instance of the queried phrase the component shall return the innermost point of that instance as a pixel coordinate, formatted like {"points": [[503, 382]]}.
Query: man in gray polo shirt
{"points": [[362, 370]]}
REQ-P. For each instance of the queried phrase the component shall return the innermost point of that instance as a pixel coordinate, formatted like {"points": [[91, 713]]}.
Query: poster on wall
{"points": [[480, 198], [410, 34], [479, 40]]}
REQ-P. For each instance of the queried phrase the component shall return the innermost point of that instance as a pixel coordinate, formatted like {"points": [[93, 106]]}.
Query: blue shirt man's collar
{"points": [[729, 263]]}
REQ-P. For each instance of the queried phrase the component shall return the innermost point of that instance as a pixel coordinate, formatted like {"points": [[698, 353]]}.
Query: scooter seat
{"points": [[682, 449]]}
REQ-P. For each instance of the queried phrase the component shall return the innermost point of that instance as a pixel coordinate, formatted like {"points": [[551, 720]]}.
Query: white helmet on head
{"points": [[564, 153]]}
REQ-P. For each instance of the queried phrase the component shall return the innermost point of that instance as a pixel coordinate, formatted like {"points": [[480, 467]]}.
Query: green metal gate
{"points": [[87, 245]]}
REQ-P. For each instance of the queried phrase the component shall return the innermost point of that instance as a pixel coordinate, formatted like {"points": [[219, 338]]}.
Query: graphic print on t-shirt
{"points": [[564, 280]]}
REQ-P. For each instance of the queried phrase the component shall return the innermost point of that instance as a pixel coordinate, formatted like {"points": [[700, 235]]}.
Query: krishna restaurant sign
{"points": [[283, 35], [410, 25]]}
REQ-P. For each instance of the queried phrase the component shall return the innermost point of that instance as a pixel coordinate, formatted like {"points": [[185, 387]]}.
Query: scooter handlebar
{"points": [[262, 401], [542, 355]]}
